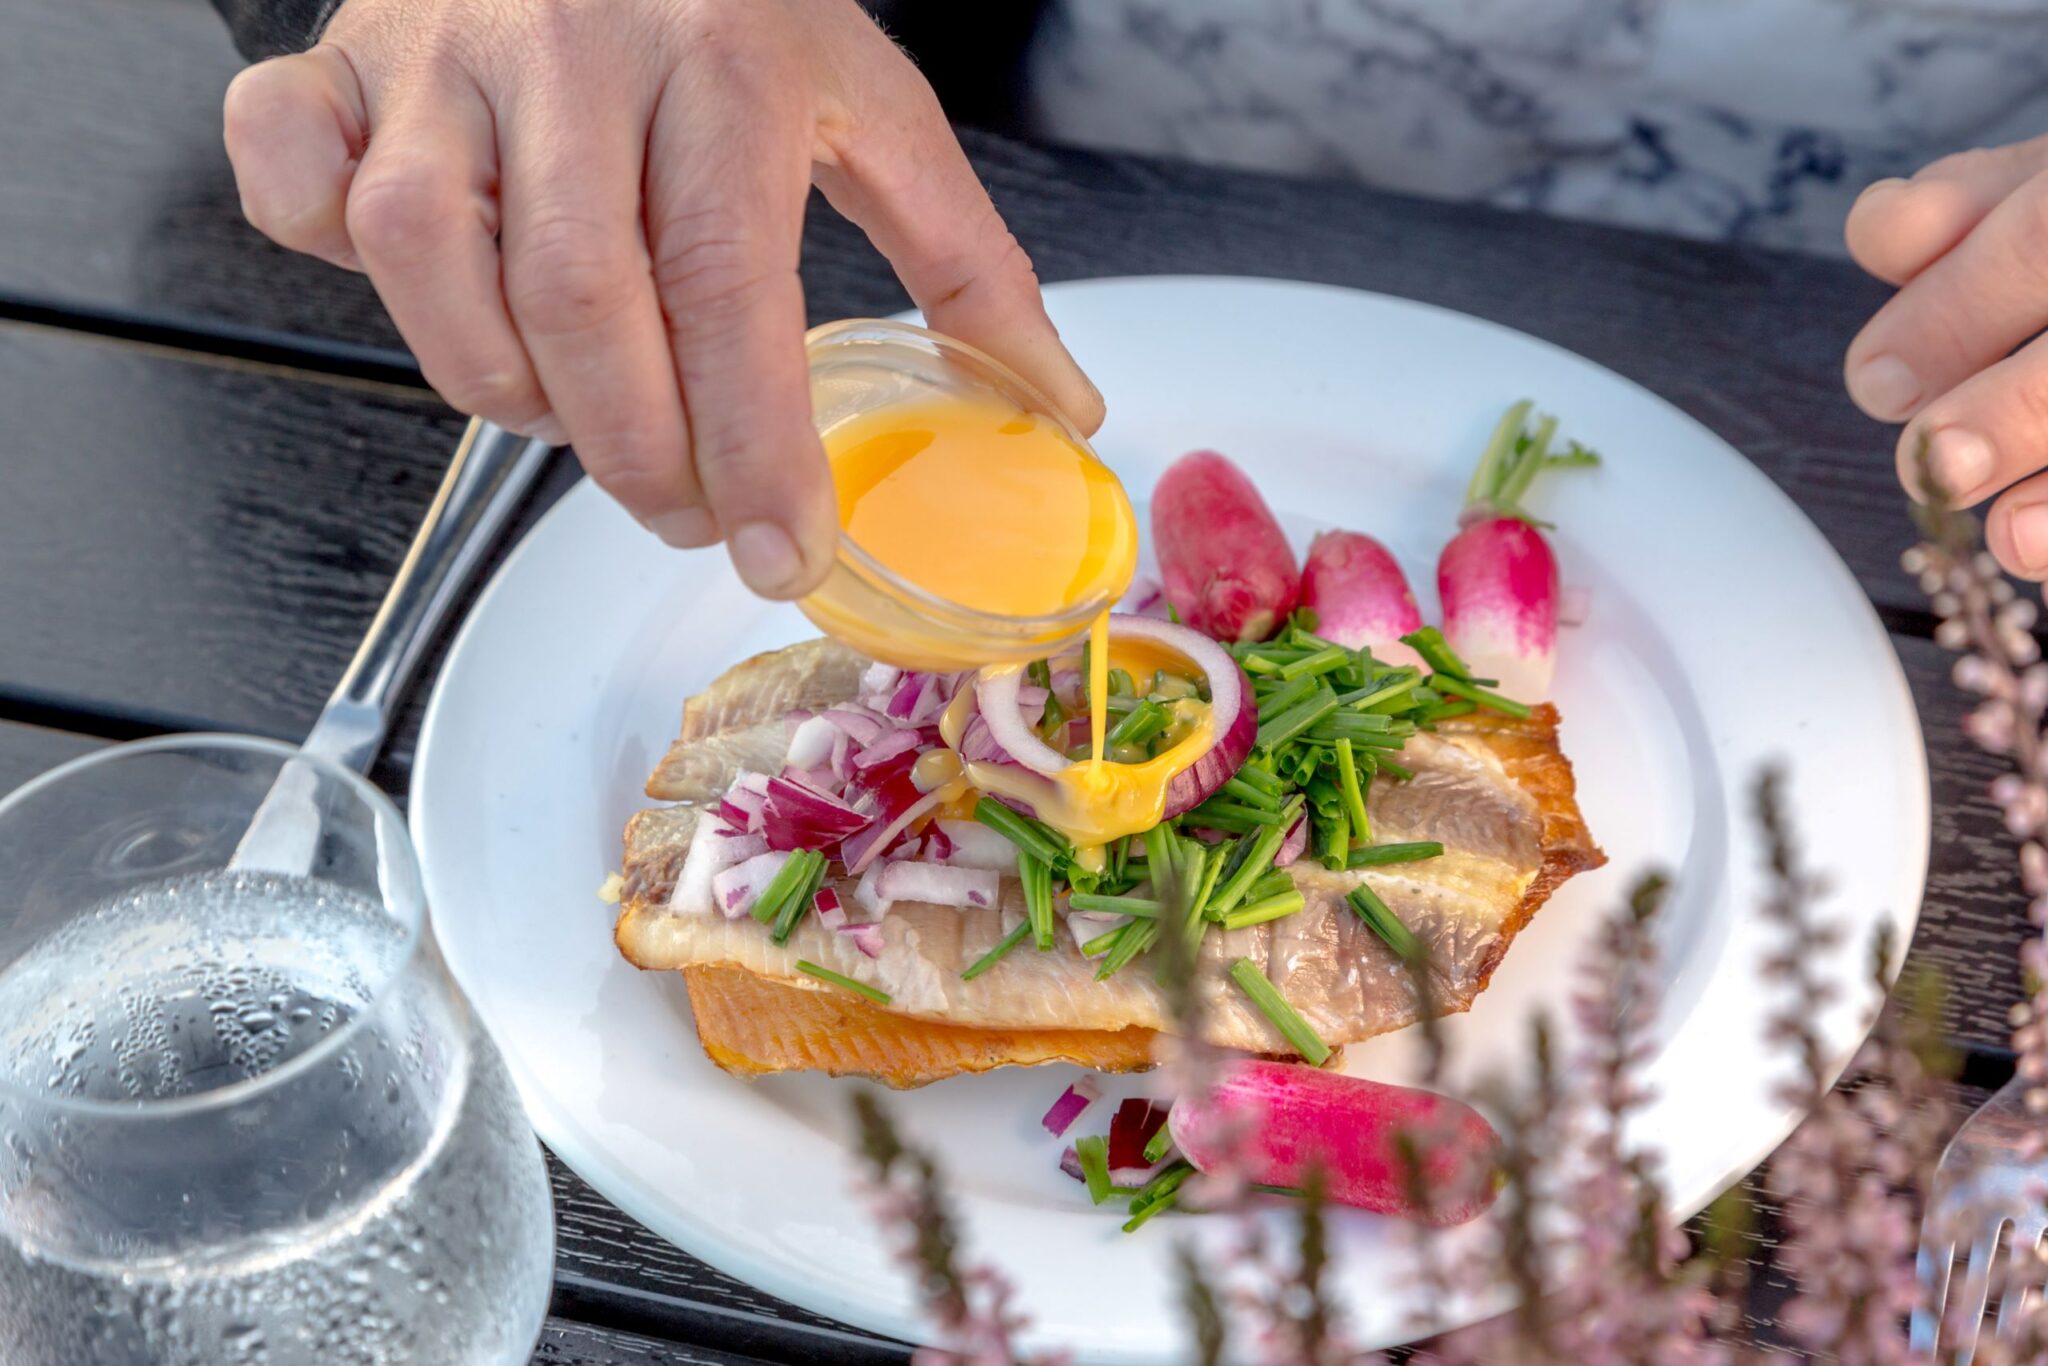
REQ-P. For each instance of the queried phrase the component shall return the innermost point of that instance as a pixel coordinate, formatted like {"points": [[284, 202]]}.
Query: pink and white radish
{"points": [[1276, 1122], [1227, 566], [1360, 596], [1498, 576]]}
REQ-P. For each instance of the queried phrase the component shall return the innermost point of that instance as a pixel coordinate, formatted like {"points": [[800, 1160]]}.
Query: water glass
{"points": [[246, 1117]]}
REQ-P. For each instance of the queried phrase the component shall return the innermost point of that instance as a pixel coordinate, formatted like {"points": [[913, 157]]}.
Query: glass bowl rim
{"points": [[248, 1088], [873, 571]]}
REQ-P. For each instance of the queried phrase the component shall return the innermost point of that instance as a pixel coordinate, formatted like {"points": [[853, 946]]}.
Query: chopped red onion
{"points": [[858, 722], [938, 844], [938, 884], [866, 938], [876, 838], [1087, 925], [810, 742], [798, 816], [885, 748], [1146, 599], [841, 762], [1295, 844], [931, 699], [1124, 1179], [736, 889], [978, 744], [714, 847], [903, 702], [830, 913], [879, 678], [970, 844], [1073, 1102], [871, 901], [1135, 1122]]}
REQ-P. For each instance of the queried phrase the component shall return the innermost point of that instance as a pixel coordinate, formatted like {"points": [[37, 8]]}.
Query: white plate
{"points": [[1724, 633]]}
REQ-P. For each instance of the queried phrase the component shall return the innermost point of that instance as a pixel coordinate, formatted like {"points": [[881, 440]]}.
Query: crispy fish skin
{"points": [[1494, 789], [752, 1026]]}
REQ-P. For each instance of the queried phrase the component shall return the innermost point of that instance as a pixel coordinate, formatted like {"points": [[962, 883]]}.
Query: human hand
{"points": [[1966, 240], [584, 217]]}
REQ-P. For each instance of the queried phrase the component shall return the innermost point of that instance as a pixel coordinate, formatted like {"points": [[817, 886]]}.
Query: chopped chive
{"points": [[1139, 724], [1052, 723], [1039, 672], [1228, 824], [1379, 855], [1120, 684], [1394, 770], [1448, 711], [1260, 663], [1436, 652], [1036, 875], [1132, 940], [1254, 815], [1458, 687], [1354, 796], [1392, 692], [1259, 912], [792, 910], [1321, 662], [791, 875], [1335, 832], [1252, 776], [1156, 1146], [1142, 906], [1296, 719], [996, 954], [1204, 882], [1256, 860], [1285, 1017], [880, 998], [1284, 696], [1271, 883], [1385, 923], [1172, 686], [1103, 940], [1094, 1154], [1161, 1193], [1040, 841], [1250, 795]]}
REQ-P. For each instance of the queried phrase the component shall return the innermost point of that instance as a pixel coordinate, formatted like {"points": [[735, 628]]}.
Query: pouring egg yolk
{"points": [[996, 509]]}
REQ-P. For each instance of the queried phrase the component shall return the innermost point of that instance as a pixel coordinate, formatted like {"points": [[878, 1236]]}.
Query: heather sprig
{"points": [[969, 1306]]}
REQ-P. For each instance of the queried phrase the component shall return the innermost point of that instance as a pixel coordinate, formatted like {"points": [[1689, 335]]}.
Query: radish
{"points": [[1360, 596], [1498, 577], [1227, 565], [1277, 1122]]}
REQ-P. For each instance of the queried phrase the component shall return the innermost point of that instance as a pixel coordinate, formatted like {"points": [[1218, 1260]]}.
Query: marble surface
{"points": [[1749, 120]]}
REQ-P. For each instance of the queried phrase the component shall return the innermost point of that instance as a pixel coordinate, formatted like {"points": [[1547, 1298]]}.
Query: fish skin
{"points": [[745, 709], [1493, 789]]}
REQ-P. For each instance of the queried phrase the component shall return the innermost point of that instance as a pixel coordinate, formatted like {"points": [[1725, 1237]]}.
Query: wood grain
{"points": [[564, 1342]]}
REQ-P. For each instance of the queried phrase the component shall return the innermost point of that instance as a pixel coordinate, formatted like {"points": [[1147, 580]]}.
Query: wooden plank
{"points": [[26, 751], [196, 545], [113, 110], [564, 1342]]}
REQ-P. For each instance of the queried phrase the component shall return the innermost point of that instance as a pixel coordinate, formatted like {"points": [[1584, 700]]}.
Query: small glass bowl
{"points": [[861, 365]]}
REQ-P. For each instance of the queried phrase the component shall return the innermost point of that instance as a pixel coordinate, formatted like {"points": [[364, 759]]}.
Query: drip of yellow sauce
{"points": [[996, 509]]}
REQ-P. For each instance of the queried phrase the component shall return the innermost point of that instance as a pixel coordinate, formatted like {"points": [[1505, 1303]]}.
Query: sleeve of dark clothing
{"points": [[271, 28], [971, 53]]}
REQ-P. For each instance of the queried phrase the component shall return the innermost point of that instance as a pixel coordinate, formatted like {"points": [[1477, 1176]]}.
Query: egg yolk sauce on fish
{"points": [[995, 508]]}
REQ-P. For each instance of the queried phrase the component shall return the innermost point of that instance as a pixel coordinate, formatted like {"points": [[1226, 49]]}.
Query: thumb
{"points": [[295, 129]]}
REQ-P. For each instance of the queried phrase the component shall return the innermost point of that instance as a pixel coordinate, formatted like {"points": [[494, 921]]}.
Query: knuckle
{"points": [[566, 276], [707, 263], [400, 210]]}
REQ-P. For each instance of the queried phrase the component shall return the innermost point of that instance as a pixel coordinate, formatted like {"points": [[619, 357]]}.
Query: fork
{"points": [[487, 477], [1986, 1180]]}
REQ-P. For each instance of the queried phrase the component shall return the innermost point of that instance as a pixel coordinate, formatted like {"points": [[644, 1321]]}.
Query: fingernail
{"points": [[1885, 387], [1962, 460], [549, 429], [685, 528], [2029, 528], [766, 558]]}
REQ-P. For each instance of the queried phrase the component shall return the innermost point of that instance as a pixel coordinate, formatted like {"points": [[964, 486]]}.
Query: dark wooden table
{"points": [[213, 454]]}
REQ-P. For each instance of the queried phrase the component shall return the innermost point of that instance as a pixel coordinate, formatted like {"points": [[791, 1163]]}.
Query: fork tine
{"points": [[1968, 1319], [1933, 1263], [2018, 1296]]}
